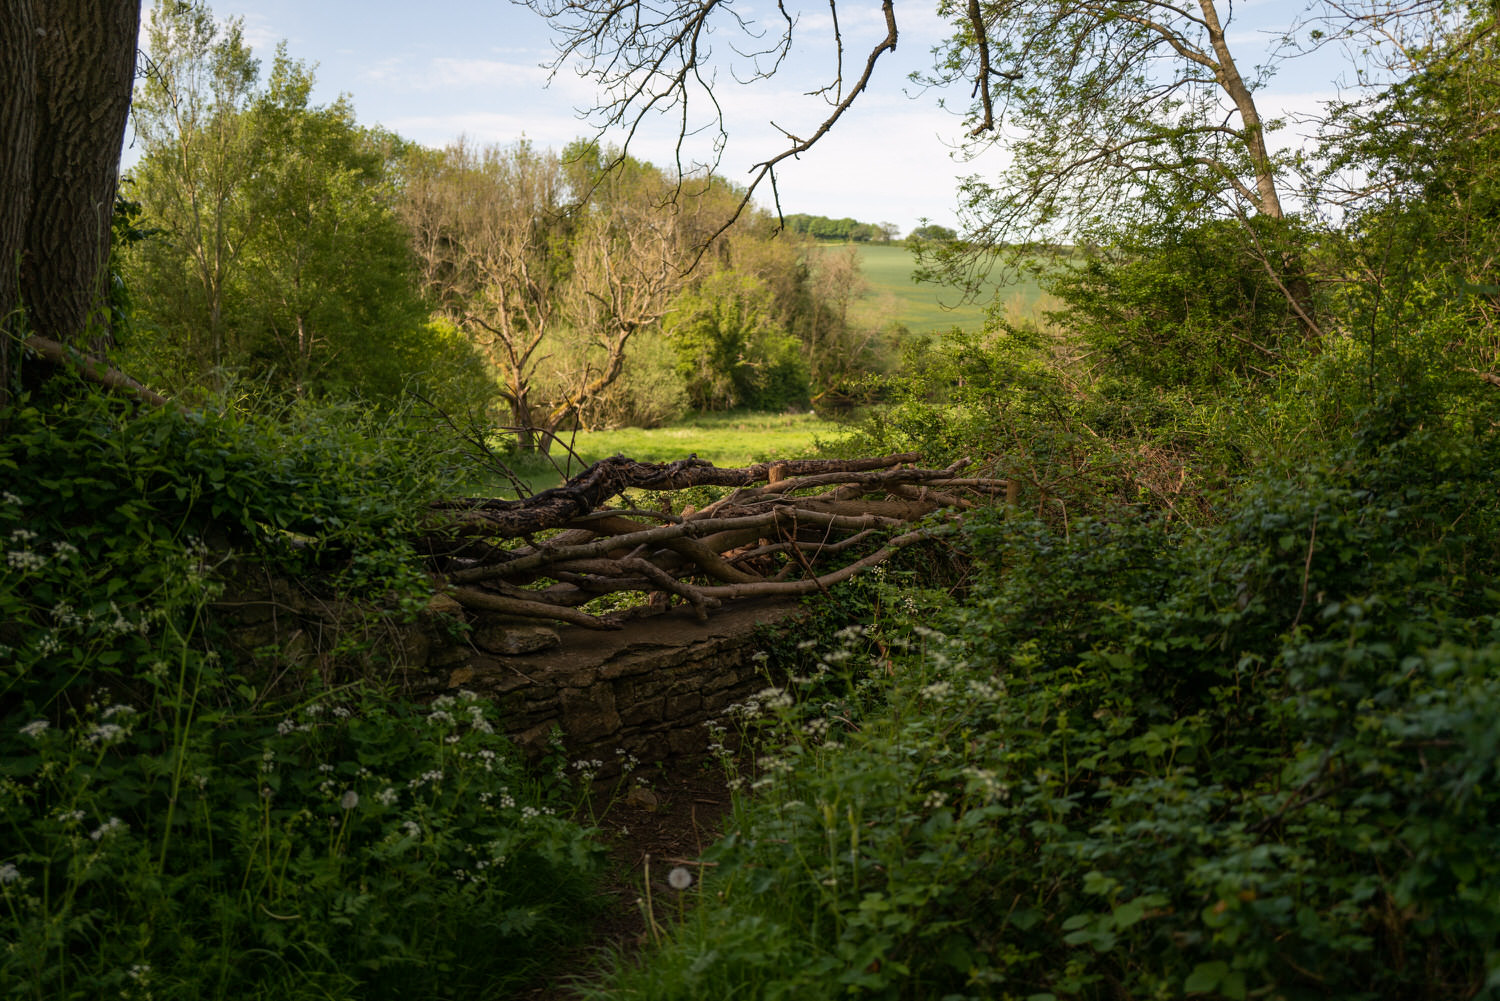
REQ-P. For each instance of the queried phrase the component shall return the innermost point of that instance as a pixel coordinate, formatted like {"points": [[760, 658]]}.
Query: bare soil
{"points": [[667, 822]]}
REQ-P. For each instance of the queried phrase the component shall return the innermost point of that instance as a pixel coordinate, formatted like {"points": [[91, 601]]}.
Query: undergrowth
{"points": [[180, 826], [1145, 758]]}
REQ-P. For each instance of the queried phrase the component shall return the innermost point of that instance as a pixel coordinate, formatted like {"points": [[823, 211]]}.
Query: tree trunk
{"points": [[18, 126], [69, 66]]}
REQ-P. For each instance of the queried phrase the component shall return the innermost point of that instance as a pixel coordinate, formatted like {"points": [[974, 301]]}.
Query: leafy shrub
{"points": [[731, 352], [1184, 305], [998, 400]]}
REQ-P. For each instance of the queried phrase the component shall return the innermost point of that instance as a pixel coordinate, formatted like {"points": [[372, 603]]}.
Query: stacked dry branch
{"points": [[781, 531]]}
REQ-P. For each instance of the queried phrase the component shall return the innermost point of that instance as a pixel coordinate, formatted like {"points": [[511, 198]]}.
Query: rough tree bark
{"points": [[66, 72]]}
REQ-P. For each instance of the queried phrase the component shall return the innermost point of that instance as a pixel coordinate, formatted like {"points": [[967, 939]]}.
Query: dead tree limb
{"points": [[763, 538]]}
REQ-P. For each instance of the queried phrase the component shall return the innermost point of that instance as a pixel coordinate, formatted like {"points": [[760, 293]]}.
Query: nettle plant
{"points": [[174, 828]]}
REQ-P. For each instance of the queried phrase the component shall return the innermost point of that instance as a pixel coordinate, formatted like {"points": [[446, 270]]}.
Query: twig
{"points": [[1306, 570]]}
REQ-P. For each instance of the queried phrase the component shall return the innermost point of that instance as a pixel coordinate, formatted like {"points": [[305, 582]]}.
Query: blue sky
{"points": [[474, 67]]}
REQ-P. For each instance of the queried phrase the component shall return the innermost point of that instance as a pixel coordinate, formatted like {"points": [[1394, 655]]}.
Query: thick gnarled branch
{"points": [[781, 530]]}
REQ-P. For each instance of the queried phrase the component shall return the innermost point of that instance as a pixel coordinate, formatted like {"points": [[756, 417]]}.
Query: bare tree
{"points": [[628, 262], [487, 225], [656, 60]]}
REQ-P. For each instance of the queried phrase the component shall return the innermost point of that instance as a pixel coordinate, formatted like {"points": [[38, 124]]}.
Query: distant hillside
{"points": [[894, 297]]}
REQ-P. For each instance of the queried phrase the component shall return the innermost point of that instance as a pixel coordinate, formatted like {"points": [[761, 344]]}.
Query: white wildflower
{"points": [[9, 874], [106, 734], [387, 796], [435, 776], [984, 782], [938, 691], [107, 828], [987, 691], [35, 728]]}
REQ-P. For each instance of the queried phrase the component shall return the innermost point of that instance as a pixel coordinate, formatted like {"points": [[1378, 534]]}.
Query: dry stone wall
{"points": [[647, 690]]}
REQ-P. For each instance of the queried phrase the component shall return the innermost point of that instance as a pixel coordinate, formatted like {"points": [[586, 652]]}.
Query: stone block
{"points": [[511, 638], [588, 714], [681, 705], [638, 712]]}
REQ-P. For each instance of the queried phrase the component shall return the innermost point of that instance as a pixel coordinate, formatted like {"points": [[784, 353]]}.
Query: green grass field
{"points": [[894, 297], [732, 439]]}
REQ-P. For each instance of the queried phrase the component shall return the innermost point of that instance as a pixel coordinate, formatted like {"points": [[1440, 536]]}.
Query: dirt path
{"points": [[680, 813]]}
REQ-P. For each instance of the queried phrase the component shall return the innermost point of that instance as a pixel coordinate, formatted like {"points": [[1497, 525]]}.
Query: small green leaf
{"points": [[1206, 976]]}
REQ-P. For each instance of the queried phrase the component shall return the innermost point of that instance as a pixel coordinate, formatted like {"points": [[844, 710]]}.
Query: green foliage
{"points": [[843, 230], [1145, 761], [1000, 401], [730, 351], [179, 826], [650, 392], [1419, 239], [932, 231], [267, 241], [1188, 306]]}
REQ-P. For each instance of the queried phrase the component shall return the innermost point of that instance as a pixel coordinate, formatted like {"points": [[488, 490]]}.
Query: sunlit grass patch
{"points": [[730, 439]]}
